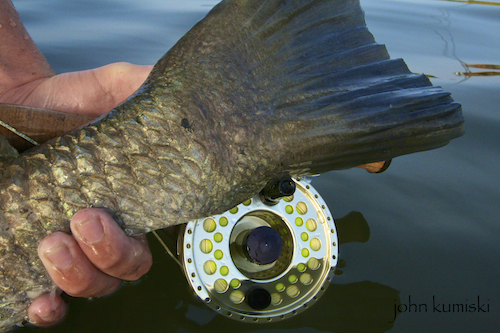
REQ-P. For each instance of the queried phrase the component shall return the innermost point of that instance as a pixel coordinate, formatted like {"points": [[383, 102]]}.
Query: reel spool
{"points": [[266, 259]]}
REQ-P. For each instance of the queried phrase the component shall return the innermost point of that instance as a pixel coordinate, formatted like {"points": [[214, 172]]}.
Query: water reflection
{"points": [[448, 35], [361, 306], [495, 70], [475, 2]]}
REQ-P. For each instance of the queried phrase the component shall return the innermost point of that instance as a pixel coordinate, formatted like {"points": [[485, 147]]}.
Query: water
{"points": [[433, 216]]}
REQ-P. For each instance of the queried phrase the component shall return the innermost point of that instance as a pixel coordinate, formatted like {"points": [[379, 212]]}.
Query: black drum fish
{"points": [[256, 91]]}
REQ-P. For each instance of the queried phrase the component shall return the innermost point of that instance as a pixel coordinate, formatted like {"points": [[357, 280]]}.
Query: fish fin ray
{"points": [[312, 67]]}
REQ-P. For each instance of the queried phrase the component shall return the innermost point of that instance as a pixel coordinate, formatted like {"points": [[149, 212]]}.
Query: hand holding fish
{"points": [[90, 264], [90, 268]]}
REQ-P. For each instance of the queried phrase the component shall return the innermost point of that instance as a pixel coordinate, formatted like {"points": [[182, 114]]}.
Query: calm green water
{"points": [[433, 216]]}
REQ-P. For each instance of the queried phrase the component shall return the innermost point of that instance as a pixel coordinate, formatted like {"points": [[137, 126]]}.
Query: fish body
{"points": [[255, 91]]}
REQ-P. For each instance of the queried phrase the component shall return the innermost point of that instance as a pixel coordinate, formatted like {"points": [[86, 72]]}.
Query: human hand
{"points": [[85, 265], [89, 263], [90, 92], [98, 255]]}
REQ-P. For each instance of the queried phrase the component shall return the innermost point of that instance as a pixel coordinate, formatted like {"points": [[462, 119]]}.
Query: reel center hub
{"points": [[264, 245], [261, 245]]}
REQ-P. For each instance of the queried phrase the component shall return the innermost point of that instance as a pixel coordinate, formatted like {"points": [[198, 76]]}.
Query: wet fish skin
{"points": [[298, 87]]}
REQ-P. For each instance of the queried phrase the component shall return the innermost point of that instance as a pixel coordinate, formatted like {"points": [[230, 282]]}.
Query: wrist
{"points": [[21, 61]]}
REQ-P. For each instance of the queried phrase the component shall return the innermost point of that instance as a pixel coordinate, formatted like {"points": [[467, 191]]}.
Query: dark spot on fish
{"points": [[186, 125]]}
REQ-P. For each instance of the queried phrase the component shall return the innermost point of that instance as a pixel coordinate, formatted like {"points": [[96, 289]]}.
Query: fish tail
{"points": [[399, 115], [308, 79]]}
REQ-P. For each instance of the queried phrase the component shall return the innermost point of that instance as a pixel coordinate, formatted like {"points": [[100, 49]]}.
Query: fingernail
{"points": [[47, 311], [47, 315], [91, 230], [58, 254]]}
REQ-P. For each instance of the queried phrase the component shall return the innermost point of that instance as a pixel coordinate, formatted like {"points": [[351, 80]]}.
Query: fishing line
{"points": [[167, 248], [22, 135]]}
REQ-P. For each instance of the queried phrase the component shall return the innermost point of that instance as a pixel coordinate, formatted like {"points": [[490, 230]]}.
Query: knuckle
{"points": [[97, 287], [111, 262], [123, 258], [139, 262], [79, 288], [137, 270]]}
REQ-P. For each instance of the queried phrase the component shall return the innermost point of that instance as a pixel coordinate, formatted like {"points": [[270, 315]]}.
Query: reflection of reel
{"points": [[263, 261]]}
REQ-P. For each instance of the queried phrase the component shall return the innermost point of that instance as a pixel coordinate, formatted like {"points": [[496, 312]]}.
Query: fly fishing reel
{"points": [[266, 259]]}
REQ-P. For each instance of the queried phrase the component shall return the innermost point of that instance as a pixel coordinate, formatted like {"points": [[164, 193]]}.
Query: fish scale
{"points": [[255, 91]]}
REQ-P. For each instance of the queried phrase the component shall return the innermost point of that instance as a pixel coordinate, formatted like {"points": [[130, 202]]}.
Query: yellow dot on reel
{"points": [[315, 244], [276, 299], [209, 267], [313, 263], [223, 221], [311, 225], [209, 225], [293, 291], [224, 270], [306, 279], [235, 283], [301, 208], [218, 254], [237, 296], [221, 286], [218, 237], [206, 246]]}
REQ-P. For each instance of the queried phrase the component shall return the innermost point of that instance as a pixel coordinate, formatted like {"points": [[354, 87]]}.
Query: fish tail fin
{"points": [[311, 74]]}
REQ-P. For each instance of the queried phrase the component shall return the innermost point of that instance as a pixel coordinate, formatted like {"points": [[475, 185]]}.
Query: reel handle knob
{"points": [[274, 191]]}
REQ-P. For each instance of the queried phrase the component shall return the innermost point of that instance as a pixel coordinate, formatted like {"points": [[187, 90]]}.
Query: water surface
{"points": [[433, 216]]}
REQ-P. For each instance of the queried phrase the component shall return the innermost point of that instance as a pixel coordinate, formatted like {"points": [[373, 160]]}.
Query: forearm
{"points": [[20, 59]]}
